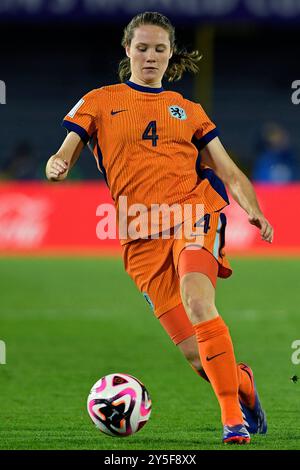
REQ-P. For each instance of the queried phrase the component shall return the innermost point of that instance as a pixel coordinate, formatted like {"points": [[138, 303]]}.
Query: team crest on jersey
{"points": [[177, 112]]}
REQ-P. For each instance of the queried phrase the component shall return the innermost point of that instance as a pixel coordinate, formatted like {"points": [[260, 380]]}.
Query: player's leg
{"points": [[180, 330], [213, 337], [213, 263], [214, 343]]}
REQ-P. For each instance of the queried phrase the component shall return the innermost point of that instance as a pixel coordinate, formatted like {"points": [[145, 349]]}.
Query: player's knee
{"points": [[198, 297], [200, 309]]}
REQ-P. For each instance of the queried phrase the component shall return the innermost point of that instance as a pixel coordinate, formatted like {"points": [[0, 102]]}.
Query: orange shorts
{"points": [[153, 263]]}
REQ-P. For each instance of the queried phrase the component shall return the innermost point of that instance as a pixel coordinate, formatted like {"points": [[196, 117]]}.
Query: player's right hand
{"points": [[56, 168]]}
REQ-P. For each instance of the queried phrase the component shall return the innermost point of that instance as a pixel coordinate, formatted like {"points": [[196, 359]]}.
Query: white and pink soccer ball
{"points": [[119, 405]]}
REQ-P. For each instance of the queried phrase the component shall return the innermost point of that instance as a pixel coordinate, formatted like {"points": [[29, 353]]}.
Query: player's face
{"points": [[149, 53]]}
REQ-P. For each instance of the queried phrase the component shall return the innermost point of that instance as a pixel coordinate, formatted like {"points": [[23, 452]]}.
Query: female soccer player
{"points": [[146, 142]]}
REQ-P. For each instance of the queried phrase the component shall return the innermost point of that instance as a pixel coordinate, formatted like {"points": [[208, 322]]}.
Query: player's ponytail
{"points": [[124, 69], [181, 61]]}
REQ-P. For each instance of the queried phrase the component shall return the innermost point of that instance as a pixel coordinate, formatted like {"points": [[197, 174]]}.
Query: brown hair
{"points": [[181, 60]]}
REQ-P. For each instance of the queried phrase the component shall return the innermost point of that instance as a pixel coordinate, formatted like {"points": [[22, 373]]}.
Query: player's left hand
{"points": [[266, 229]]}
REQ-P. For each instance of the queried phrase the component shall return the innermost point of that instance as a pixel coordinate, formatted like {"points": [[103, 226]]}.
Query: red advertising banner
{"points": [[65, 218], [279, 204]]}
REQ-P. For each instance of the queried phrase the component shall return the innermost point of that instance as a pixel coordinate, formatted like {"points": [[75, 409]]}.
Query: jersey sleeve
{"points": [[206, 130], [82, 118]]}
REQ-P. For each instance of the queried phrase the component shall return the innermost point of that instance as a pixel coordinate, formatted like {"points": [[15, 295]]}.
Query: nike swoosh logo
{"points": [[117, 112], [216, 355]]}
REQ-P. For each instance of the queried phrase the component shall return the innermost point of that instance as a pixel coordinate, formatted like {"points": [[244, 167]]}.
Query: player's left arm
{"points": [[215, 156]]}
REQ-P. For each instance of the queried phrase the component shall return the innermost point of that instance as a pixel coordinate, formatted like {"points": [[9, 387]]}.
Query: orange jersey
{"points": [[146, 142]]}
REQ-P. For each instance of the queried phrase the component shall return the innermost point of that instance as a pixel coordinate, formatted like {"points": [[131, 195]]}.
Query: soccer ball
{"points": [[119, 405]]}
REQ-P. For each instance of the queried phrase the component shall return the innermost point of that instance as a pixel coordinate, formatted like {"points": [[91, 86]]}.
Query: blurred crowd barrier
{"points": [[103, 9], [63, 219]]}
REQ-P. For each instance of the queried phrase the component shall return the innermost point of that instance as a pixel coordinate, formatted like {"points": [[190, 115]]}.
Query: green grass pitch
{"points": [[68, 321]]}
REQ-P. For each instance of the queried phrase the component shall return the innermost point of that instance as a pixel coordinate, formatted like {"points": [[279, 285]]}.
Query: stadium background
{"points": [[65, 302]]}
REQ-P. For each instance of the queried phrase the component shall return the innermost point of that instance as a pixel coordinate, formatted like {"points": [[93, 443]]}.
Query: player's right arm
{"points": [[81, 124], [59, 164]]}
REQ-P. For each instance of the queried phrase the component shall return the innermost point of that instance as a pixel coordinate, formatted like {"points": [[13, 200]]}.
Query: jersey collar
{"points": [[144, 88]]}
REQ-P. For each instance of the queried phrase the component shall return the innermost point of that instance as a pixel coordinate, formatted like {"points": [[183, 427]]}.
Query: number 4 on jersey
{"points": [[203, 223], [150, 133]]}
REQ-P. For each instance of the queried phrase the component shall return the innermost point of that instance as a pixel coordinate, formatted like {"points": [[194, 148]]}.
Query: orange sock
{"points": [[217, 357], [246, 390]]}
